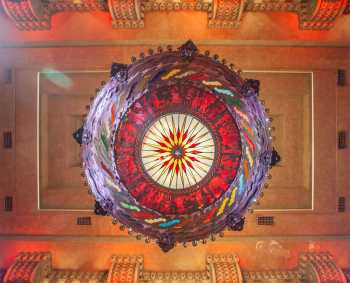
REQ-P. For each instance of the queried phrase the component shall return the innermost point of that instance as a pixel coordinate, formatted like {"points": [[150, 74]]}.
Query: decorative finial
{"points": [[188, 50], [119, 71], [99, 209], [78, 135], [235, 222], [275, 157], [103, 207], [166, 242], [251, 87]]}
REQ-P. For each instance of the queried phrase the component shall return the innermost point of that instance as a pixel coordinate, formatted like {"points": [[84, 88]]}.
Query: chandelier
{"points": [[176, 146]]}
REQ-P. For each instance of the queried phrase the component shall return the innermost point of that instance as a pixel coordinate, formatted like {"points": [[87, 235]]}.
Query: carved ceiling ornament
{"points": [[125, 269], [224, 268], [57, 6], [320, 267], [29, 267], [28, 14], [32, 267], [321, 14], [313, 14]]}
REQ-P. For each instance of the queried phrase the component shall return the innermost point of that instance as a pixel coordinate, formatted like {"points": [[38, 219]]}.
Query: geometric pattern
{"points": [[177, 151], [314, 15], [220, 268], [177, 162]]}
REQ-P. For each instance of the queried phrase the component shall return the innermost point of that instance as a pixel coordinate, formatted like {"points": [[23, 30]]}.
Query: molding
{"points": [[150, 276], [77, 276], [220, 268], [125, 238], [143, 43], [290, 276], [313, 15]]}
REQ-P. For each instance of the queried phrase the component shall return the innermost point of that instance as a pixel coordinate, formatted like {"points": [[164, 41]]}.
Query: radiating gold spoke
{"points": [[204, 157], [191, 145], [177, 151], [153, 145], [157, 155], [193, 176], [159, 139], [154, 166], [188, 180]]}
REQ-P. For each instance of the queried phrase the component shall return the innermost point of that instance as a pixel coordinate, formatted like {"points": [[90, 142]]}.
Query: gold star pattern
{"points": [[177, 151]]}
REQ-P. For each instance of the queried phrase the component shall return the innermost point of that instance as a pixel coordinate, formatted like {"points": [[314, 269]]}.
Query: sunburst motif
{"points": [[177, 151]]}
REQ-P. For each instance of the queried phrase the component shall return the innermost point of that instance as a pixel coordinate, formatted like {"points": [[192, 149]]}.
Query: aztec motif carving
{"points": [[321, 14], [290, 276], [126, 13], [220, 268], [224, 268], [313, 14], [68, 276], [166, 277], [271, 6], [125, 269], [320, 268], [226, 13], [167, 5], [27, 14], [29, 267], [77, 6]]}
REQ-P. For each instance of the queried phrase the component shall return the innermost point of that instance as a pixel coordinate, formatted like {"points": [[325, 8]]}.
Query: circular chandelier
{"points": [[176, 146]]}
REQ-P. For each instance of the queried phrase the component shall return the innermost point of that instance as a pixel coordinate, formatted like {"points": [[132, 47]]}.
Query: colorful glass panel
{"points": [[176, 146]]}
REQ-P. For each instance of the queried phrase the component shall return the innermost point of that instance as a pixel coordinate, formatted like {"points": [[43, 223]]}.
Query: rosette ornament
{"points": [[176, 146]]}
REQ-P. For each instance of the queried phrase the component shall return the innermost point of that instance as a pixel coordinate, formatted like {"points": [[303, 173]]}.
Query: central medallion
{"points": [[177, 151]]}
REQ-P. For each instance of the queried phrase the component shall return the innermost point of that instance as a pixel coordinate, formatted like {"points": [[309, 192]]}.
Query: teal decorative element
{"points": [[224, 91], [104, 142], [169, 223], [232, 101], [241, 183], [129, 206]]}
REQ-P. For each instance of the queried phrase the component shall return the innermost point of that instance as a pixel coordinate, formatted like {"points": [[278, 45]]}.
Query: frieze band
{"points": [[220, 268], [313, 15]]}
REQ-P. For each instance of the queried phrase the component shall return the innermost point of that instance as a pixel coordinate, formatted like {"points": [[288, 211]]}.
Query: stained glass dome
{"points": [[176, 146]]}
